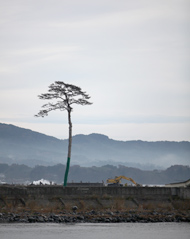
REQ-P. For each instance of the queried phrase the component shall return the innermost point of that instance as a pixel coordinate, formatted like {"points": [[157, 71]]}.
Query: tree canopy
{"points": [[65, 95]]}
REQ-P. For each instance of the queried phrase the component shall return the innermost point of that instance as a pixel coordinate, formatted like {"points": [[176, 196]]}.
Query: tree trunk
{"points": [[69, 149]]}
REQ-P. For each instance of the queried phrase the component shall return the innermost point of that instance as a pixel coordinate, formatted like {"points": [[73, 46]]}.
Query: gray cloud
{"points": [[132, 57]]}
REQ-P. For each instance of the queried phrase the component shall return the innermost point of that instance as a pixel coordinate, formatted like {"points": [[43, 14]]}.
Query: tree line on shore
{"points": [[16, 173]]}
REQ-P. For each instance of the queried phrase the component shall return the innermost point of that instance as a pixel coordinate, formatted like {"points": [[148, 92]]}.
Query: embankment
{"points": [[46, 200]]}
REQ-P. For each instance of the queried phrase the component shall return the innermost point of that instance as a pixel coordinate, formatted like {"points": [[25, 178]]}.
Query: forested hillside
{"points": [[22, 173]]}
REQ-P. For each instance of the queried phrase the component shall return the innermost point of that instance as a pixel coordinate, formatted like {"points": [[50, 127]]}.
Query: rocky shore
{"points": [[96, 217]]}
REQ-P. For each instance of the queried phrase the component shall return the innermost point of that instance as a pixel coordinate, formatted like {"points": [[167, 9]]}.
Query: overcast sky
{"points": [[131, 56]]}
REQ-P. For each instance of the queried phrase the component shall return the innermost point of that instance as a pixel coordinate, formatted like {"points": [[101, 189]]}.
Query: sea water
{"points": [[95, 231]]}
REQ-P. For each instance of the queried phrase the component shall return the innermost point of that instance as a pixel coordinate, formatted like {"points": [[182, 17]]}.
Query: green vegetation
{"points": [[21, 173]]}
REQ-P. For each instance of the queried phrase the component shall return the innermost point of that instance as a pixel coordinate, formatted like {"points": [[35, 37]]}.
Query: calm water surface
{"points": [[95, 231]]}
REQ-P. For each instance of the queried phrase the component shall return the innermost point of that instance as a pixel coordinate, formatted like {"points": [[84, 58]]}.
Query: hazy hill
{"points": [[18, 145], [23, 146]]}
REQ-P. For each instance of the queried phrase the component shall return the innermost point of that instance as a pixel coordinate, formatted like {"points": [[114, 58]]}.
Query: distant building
{"points": [[180, 184]]}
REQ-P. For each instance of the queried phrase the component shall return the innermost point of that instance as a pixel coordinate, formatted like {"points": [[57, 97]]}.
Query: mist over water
{"points": [[94, 231]]}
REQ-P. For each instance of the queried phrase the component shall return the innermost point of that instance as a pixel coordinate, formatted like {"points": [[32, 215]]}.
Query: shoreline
{"points": [[93, 216]]}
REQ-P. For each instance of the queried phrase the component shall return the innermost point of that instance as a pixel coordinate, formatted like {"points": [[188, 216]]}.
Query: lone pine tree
{"points": [[63, 96]]}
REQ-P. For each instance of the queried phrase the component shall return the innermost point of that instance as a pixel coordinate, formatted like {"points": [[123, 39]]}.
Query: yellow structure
{"points": [[117, 180]]}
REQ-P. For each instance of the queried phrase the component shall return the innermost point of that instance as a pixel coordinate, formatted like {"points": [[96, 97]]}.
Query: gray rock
{"points": [[31, 219], [40, 219]]}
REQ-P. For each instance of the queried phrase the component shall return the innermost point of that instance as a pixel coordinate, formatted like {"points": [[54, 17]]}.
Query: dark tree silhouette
{"points": [[63, 96]]}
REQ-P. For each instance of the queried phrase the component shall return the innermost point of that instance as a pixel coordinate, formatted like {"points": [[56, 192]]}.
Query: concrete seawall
{"points": [[91, 197]]}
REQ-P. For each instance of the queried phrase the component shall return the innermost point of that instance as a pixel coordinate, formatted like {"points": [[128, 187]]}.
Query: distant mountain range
{"points": [[24, 146]]}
